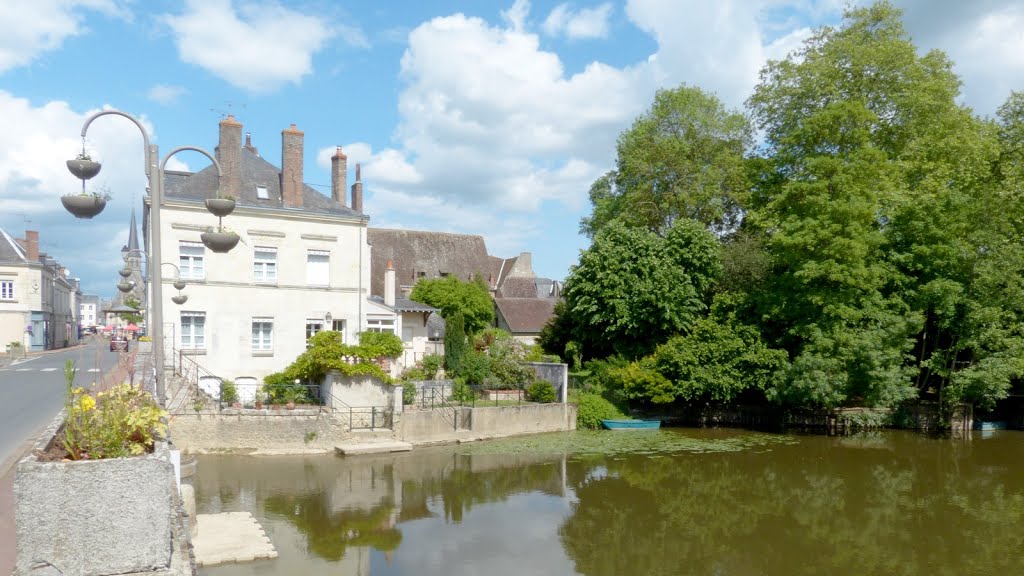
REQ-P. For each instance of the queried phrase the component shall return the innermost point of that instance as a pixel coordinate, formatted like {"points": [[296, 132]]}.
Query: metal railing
{"points": [[435, 396], [360, 417]]}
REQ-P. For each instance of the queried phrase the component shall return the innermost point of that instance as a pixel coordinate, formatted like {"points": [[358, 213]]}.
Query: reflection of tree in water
{"points": [[462, 488], [811, 509], [328, 534]]}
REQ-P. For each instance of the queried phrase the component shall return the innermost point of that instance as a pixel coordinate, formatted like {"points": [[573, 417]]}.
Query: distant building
{"points": [[38, 301], [89, 314]]}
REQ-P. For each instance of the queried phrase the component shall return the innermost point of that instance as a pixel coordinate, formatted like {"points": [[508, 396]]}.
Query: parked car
{"points": [[118, 343]]}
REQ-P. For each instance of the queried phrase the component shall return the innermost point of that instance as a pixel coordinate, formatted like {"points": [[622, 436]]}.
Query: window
{"points": [[190, 260], [380, 325], [339, 326], [407, 334], [262, 334], [313, 325], [7, 290], [318, 267], [264, 264], [193, 330], [261, 192]]}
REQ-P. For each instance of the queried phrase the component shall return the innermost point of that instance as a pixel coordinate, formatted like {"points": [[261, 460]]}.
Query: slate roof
{"points": [[406, 305], [432, 253], [198, 186], [525, 315], [518, 287], [10, 250]]}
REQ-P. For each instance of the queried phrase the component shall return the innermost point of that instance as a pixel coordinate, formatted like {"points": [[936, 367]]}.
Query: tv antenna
{"points": [[228, 110]]}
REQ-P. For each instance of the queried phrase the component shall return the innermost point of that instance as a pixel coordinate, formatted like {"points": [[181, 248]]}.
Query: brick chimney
{"points": [[339, 176], [249, 146], [291, 167], [32, 245], [389, 284], [357, 192], [229, 155]]}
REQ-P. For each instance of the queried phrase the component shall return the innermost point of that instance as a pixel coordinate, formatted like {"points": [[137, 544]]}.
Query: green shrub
{"points": [[282, 389], [592, 408], [228, 392], [461, 392], [408, 393], [474, 367], [413, 374], [541, 391], [431, 364]]}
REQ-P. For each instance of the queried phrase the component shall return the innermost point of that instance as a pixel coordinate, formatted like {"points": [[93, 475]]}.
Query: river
{"points": [[670, 502]]}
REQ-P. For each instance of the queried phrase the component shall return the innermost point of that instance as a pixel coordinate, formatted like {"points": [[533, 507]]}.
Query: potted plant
{"points": [[78, 472], [86, 204], [221, 240], [83, 166], [220, 206]]}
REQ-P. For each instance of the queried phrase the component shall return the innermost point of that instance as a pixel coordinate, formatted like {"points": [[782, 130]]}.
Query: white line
{"points": [[23, 370], [47, 369], [93, 370]]}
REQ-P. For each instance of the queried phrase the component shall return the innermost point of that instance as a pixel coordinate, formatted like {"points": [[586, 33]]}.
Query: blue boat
{"points": [[631, 424], [986, 425]]}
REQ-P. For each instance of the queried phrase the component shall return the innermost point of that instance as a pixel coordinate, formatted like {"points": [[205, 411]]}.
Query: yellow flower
{"points": [[86, 403]]}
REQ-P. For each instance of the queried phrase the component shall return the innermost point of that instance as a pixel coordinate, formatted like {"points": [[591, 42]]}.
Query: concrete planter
{"points": [[219, 242], [220, 207], [94, 518], [145, 347], [83, 205]]}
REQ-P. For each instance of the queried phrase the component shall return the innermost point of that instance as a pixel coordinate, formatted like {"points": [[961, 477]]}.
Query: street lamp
{"points": [[154, 169]]}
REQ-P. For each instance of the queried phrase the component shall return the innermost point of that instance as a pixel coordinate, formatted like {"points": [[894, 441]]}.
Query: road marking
{"points": [[47, 369], [23, 370], [93, 370]]}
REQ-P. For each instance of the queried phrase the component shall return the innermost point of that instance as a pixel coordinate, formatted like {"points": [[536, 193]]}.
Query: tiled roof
{"points": [[525, 315], [201, 185], [431, 253], [516, 287]]}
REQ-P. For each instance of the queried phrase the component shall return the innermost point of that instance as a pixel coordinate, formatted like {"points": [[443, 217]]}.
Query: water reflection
{"points": [[888, 503]]}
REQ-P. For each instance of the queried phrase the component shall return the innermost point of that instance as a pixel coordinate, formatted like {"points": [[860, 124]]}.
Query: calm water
{"points": [[672, 502]]}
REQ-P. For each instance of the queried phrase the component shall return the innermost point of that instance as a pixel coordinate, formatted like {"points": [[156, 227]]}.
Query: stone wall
{"points": [[357, 391], [556, 373], [428, 426], [257, 429]]}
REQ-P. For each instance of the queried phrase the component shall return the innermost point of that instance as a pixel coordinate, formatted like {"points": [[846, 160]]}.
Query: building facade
{"points": [[38, 300], [302, 264]]}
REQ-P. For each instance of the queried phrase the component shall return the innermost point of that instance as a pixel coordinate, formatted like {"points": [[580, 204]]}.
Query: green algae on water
{"points": [[602, 442]]}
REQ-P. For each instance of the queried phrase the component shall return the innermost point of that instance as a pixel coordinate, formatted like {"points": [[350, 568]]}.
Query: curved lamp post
{"points": [[154, 169]]}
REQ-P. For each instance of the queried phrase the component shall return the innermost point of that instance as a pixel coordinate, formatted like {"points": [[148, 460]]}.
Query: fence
{"points": [[433, 394]]}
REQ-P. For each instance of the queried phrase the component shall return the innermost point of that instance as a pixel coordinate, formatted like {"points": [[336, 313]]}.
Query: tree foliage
{"points": [[454, 342], [472, 299], [682, 159], [633, 289]]}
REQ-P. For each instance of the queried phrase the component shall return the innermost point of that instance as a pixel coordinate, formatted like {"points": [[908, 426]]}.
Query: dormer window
{"points": [[262, 193]]}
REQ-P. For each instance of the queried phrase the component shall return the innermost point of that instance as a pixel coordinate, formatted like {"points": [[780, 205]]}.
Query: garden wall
{"points": [[556, 373], [358, 391], [428, 426], [256, 429]]}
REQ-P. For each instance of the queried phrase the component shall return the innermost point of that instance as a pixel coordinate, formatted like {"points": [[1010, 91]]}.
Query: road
{"points": [[32, 392]]}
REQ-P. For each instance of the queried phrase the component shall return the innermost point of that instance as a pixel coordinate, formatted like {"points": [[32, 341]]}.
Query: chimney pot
{"points": [[291, 167], [229, 155], [357, 192], [32, 245], [339, 176]]}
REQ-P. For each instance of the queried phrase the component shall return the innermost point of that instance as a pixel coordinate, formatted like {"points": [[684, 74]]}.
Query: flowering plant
{"points": [[122, 421]]}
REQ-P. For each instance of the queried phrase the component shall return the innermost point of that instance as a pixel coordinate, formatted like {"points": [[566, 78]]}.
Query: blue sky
{"points": [[479, 117]]}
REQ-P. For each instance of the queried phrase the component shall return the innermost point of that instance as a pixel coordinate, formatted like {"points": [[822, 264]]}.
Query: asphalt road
{"points": [[32, 392]]}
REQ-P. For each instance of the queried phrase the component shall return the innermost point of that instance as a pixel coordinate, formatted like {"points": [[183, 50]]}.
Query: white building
{"points": [[89, 311], [302, 265], [38, 301]]}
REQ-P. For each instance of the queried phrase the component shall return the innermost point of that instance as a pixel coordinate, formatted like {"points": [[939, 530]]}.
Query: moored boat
{"points": [[631, 424]]}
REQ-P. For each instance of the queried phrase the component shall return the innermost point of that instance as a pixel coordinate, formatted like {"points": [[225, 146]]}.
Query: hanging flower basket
{"points": [[125, 286], [83, 168], [220, 242], [83, 205], [179, 284], [125, 272], [220, 207], [179, 299]]}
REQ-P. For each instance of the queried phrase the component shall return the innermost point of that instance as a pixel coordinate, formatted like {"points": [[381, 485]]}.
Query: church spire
{"points": [[133, 235]]}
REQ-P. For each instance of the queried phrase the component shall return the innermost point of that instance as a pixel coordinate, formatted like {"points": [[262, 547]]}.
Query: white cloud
{"points": [[578, 24], [259, 48], [515, 16], [33, 148], [166, 94], [30, 28]]}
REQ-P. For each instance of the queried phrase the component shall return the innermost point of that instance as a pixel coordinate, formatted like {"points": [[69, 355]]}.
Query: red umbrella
{"points": [[108, 327], [131, 327]]}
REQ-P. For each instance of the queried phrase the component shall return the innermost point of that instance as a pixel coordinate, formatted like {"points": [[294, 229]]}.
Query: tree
{"points": [[454, 342], [131, 317], [632, 289], [472, 299], [682, 159]]}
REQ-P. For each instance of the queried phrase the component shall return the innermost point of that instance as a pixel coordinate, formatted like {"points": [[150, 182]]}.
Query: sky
{"points": [[478, 117]]}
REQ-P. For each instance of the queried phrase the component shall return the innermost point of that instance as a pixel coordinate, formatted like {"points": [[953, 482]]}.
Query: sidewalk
{"points": [[8, 543]]}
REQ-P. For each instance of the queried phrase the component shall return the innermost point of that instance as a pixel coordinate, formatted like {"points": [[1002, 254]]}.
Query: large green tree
{"points": [[682, 159], [452, 295], [633, 289]]}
